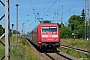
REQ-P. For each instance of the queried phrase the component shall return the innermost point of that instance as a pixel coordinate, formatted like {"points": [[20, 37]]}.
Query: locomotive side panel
{"points": [[58, 36], [35, 36], [39, 36]]}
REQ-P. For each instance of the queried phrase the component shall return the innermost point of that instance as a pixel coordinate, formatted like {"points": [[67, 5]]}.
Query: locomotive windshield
{"points": [[49, 29]]}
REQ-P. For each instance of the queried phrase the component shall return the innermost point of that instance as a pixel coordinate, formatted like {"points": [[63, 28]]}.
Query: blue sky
{"points": [[46, 9]]}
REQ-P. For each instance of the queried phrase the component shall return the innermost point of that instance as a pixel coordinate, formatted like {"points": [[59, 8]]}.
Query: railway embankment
{"points": [[78, 48], [19, 51], [24, 51]]}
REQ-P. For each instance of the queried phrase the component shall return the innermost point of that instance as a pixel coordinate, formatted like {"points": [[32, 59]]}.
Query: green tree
{"points": [[65, 32], [59, 25], [78, 21], [78, 25], [14, 32], [1, 30]]}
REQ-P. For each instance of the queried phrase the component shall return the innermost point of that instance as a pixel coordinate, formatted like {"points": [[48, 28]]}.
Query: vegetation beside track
{"points": [[19, 51], [2, 51], [78, 43], [74, 53]]}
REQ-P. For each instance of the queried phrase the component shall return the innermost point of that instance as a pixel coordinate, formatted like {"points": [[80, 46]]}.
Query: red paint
{"points": [[50, 38]]}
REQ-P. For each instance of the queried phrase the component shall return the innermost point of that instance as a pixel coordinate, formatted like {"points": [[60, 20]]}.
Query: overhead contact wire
{"points": [[50, 7]]}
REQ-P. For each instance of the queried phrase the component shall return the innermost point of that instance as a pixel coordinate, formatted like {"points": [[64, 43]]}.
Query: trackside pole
{"points": [[7, 31], [17, 23]]}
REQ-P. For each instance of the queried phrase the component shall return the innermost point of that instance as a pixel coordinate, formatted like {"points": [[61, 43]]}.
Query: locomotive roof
{"points": [[47, 24]]}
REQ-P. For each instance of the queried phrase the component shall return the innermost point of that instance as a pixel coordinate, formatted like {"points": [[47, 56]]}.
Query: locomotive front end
{"points": [[50, 37]]}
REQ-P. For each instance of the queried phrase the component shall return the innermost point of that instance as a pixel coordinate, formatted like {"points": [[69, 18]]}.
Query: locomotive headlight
{"points": [[39, 42]]}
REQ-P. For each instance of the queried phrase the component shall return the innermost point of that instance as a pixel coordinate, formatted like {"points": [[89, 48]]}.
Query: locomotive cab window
{"points": [[49, 29]]}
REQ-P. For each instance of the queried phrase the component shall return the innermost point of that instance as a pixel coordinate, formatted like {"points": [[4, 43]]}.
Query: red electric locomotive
{"points": [[46, 36]]}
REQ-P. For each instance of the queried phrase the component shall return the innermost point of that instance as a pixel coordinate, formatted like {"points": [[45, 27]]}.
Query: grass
{"points": [[78, 43], [22, 50], [30, 54], [74, 53], [19, 51], [2, 51]]}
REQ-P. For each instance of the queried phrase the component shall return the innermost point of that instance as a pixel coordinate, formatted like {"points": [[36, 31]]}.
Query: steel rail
{"points": [[63, 55], [78, 49]]}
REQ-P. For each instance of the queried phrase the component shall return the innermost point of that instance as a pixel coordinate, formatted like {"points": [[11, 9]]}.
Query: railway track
{"points": [[55, 56], [51, 55], [59, 56], [77, 49]]}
